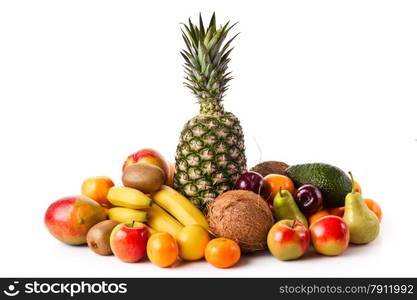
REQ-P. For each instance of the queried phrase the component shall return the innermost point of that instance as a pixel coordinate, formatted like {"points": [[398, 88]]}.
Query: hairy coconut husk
{"points": [[242, 216], [270, 167]]}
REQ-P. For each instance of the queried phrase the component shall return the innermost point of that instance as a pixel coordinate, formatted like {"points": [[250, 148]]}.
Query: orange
{"points": [[162, 249], [106, 209], [372, 205], [337, 211], [96, 188], [272, 184], [222, 252], [322, 213]]}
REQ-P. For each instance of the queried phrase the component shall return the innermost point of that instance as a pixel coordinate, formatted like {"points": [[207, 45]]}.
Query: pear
{"points": [[362, 222], [284, 207]]}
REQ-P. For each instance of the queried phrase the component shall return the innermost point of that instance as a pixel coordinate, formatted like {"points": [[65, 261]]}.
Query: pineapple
{"points": [[210, 155]]}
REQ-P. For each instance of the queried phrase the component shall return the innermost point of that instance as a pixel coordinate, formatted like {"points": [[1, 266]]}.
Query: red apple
{"points": [[69, 219], [128, 241], [149, 156], [288, 239], [330, 235]]}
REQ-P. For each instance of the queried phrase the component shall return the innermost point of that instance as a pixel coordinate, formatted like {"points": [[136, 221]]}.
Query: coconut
{"points": [[270, 167], [242, 216]]}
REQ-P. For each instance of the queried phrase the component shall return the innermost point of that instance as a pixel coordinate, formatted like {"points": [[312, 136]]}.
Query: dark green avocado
{"points": [[332, 181]]}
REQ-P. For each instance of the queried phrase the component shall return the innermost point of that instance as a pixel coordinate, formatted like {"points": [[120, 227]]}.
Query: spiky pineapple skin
{"points": [[210, 157]]}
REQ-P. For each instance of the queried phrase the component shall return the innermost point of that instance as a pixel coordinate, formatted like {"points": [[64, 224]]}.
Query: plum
{"points": [[309, 199], [250, 181]]}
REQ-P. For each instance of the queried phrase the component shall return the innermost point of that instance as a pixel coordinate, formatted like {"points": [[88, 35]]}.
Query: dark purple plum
{"points": [[250, 181], [309, 199]]}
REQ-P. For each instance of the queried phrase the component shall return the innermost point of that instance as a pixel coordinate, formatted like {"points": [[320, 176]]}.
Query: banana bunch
{"points": [[170, 211], [128, 202], [165, 211]]}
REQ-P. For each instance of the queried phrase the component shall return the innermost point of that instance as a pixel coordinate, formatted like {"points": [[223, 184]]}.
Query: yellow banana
{"points": [[179, 206], [160, 220], [126, 215], [128, 197]]}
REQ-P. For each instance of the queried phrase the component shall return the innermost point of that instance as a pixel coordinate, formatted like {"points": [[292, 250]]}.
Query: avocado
{"points": [[332, 181]]}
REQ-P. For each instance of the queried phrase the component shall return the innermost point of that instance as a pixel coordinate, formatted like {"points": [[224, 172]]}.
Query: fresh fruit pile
{"points": [[312, 211], [146, 217], [207, 204]]}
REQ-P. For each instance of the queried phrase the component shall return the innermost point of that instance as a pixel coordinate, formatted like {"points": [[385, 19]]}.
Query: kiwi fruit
{"points": [[98, 237], [270, 167], [144, 177]]}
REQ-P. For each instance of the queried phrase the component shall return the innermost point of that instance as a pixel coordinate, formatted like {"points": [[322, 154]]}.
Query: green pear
{"points": [[285, 208], [362, 222]]}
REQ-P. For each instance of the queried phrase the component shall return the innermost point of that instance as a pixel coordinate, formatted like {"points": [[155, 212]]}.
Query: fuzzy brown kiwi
{"points": [[144, 177], [98, 237]]}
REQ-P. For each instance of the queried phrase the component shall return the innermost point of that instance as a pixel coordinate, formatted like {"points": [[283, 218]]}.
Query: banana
{"points": [[160, 220], [128, 197], [126, 215], [179, 207]]}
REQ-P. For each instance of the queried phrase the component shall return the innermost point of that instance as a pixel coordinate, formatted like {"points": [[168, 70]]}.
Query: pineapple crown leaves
{"points": [[206, 59]]}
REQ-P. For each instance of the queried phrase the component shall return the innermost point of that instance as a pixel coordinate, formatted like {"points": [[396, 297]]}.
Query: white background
{"points": [[85, 83]]}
